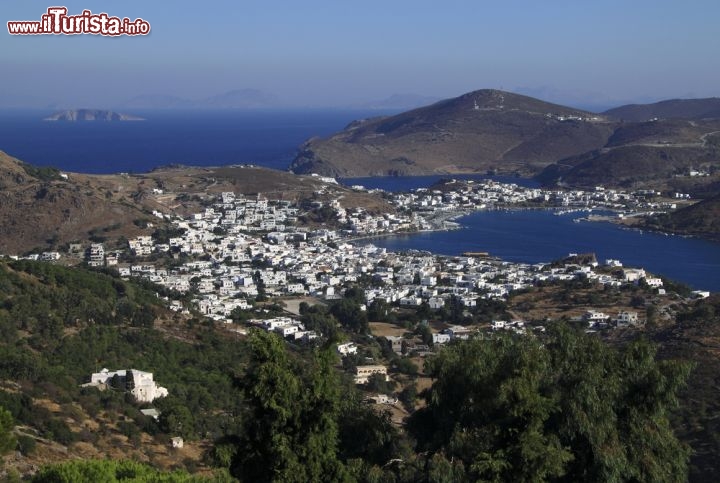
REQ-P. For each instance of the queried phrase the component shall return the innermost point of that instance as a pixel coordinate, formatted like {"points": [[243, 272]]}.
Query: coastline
{"points": [[638, 225], [442, 221]]}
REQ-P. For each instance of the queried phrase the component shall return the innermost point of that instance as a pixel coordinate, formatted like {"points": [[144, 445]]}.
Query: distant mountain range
{"points": [[496, 131], [91, 115], [235, 99]]}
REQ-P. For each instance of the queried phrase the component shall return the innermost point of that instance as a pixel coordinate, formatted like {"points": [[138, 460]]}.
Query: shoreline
{"points": [[639, 226], [440, 222], [445, 221]]}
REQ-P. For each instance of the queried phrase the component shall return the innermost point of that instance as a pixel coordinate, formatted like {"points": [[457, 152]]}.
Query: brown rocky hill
{"points": [[39, 208], [671, 109], [476, 132], [649, 153], [42, 208], [701, 219], [490, 130], [625, 166]]}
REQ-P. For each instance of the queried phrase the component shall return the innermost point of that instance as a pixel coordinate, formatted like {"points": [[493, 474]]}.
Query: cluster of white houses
{"points": [[463, 195], [239, 247], [233, 215]]}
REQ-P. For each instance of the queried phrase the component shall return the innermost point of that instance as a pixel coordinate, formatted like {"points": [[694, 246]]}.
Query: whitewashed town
{"points": [[240, 248]]}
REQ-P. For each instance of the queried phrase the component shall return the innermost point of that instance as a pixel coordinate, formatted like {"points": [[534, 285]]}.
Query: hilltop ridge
{"points": [[692, 109], [479, 131], [504, 133]]}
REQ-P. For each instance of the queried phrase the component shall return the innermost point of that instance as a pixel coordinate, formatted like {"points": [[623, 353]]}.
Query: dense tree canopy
{"points": [[349, 312], [290, 431], [566, 407], [560, 406], [109, 471]]}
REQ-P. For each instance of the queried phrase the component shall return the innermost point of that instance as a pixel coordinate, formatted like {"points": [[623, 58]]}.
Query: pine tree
{"points": [[290, 432], [566, 407]]}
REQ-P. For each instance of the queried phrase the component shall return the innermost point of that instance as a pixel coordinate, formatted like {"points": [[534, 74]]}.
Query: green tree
{"points": [[7, 438], [367, 434], [176, 419], [290, 432], [350, 315], [378, 383], [109, 471], [260, 284], [425, 333], [357, 294], [319, 319], [380, 311], [564, 408]]}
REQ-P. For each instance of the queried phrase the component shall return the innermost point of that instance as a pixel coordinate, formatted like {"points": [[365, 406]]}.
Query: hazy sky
{"points": [[319, 52]]}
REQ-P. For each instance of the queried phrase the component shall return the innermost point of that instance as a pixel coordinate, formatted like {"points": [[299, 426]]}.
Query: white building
{"points": [[654, 282], [593, 317], [96, 255], [440, 338], [138, 383], [345, 349], [633, 274], [626, 319], [363, 373]]}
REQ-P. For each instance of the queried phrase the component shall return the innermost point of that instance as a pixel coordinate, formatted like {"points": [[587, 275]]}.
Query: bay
{"points": [[537, 236], [271, 138]]}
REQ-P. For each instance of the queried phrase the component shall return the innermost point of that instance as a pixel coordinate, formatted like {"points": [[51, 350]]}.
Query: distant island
{"points": [[91, 115]]}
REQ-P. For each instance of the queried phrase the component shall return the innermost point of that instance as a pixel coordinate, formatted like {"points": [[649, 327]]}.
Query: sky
{"points": [[337, 53]]}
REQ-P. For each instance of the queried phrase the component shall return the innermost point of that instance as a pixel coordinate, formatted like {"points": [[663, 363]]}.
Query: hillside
{"points": [[625, 166], [656, 154], [230, 397], [696, 337], [476, 132], [61, 324], [694, 109], [41, 208], [699, 219], [495, 131]]}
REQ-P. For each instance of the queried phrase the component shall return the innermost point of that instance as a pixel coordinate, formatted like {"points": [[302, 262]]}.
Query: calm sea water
{"points": [[193, 137], [271, 138], [534, 236]]}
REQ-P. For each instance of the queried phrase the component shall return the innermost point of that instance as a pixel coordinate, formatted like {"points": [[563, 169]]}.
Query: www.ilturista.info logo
{"points": [[57, 22]]}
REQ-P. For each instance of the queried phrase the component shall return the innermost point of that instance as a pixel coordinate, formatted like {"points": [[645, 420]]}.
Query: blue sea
{"points": [[536, 236], [189, 137], [271, 139]]}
